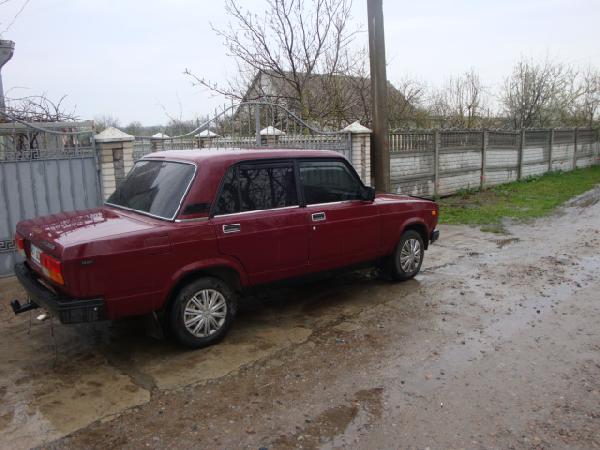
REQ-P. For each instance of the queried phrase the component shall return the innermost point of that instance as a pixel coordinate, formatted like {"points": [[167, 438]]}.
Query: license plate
{"points": [[35, 254]]}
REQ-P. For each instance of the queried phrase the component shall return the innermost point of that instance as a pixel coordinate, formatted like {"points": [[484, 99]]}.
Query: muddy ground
{"points": [[496, 344]]}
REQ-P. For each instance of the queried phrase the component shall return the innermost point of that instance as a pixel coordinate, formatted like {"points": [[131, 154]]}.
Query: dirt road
{"points": [[495, 345]]}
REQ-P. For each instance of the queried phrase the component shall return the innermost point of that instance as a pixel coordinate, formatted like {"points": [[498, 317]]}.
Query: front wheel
{"points": [[408, 256], [202, 312]]}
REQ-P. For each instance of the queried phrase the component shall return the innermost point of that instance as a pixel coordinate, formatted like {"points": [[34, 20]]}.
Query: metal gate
{"points": [[44, 169], [255, 124]]}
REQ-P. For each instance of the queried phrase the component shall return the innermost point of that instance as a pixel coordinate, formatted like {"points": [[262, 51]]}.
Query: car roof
{"points": [[231, 156]]}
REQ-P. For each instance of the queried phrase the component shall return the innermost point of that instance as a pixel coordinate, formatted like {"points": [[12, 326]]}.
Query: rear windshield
{"points": [[154, 187]]}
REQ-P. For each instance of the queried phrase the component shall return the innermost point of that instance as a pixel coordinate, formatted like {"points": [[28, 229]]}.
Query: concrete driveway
{"points": [[495, 344]]}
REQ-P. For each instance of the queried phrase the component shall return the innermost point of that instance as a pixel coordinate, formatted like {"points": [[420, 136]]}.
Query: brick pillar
{"points": [[115, 152], [360, 151], [205, 142]]}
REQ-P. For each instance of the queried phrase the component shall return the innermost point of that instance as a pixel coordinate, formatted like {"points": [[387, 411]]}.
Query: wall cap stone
{"points": [[271, 131], [206, 133], [356, 127], [112, 134]]}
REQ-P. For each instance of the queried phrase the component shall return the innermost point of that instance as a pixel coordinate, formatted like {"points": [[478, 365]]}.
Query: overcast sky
{"points": [[126, 57]]}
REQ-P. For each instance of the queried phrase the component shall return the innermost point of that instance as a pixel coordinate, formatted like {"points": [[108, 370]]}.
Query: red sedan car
{"points": [[188, 232]]}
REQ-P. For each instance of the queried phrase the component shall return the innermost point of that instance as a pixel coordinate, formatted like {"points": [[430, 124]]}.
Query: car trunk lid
{"points": [[54, 233]]}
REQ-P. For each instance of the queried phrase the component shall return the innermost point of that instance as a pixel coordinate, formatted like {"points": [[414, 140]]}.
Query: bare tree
{"points": [[585, 105], [38, 108], [289, 43], [459, 103], [176, 124], [177, 127], [535, 94], [104, 121], [134, 128], [405, 104]]}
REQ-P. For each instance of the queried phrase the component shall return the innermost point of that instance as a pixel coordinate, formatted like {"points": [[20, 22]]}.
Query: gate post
{"points": [[270, 136], [115, 151], [360, 150], [205, 138]]}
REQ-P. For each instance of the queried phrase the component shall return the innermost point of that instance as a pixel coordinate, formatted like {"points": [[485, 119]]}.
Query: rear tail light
{"points": [[20, 244], [52, 268]]}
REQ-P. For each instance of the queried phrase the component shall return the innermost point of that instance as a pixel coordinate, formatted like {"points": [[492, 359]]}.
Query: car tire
{"points": [[202, 312], [407, 258]]}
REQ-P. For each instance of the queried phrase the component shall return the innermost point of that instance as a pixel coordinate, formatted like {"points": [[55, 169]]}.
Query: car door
{"points": [[258, 220], [343, 229]]}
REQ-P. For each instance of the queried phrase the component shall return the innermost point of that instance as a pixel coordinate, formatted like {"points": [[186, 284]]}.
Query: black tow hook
{"points": [[18, 308]]}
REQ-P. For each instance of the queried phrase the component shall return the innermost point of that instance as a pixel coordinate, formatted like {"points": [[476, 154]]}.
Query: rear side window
{"points": [[154, 187], [267, 187], [257, 187], [229, 199], [328, 181]]}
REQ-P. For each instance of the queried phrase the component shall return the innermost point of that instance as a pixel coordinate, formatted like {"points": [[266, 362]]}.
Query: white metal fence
{"points": [[250, 125]]}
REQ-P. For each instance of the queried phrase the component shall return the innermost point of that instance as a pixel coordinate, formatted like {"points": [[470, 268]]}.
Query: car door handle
{"points": [[318, 216], [232, 228]]}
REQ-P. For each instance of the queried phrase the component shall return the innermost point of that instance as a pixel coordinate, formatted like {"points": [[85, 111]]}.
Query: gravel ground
{"points": [[496, 344]]}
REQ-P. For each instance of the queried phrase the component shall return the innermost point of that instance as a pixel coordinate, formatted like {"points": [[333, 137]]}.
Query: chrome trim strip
{"points": [[185, 193], [196, 219], [315, 205], [257, 211]]}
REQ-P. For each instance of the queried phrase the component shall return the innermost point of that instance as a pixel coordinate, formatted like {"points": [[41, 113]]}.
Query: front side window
{"points": [[255, 187], [328, 181], [154, 187]]}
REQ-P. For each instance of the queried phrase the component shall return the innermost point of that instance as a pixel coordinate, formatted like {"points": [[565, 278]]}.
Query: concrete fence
{"points": [[431, 163]]}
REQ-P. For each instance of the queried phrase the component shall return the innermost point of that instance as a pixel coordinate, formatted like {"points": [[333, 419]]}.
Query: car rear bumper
{"points": [[68, 310], [435, 235]]}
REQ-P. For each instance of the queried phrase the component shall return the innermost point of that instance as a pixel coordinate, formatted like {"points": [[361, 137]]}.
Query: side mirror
{"points": [[367, 194]]}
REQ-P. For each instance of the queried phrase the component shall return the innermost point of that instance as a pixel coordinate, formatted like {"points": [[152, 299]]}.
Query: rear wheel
{"points": [[202, 312], [408, 256]]}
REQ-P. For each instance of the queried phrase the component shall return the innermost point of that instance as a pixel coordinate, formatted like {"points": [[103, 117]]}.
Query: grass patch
{"points": [[527, 199]]}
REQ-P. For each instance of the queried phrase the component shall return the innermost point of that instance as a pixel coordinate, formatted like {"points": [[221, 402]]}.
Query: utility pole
{"points": [[380, 150]]}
